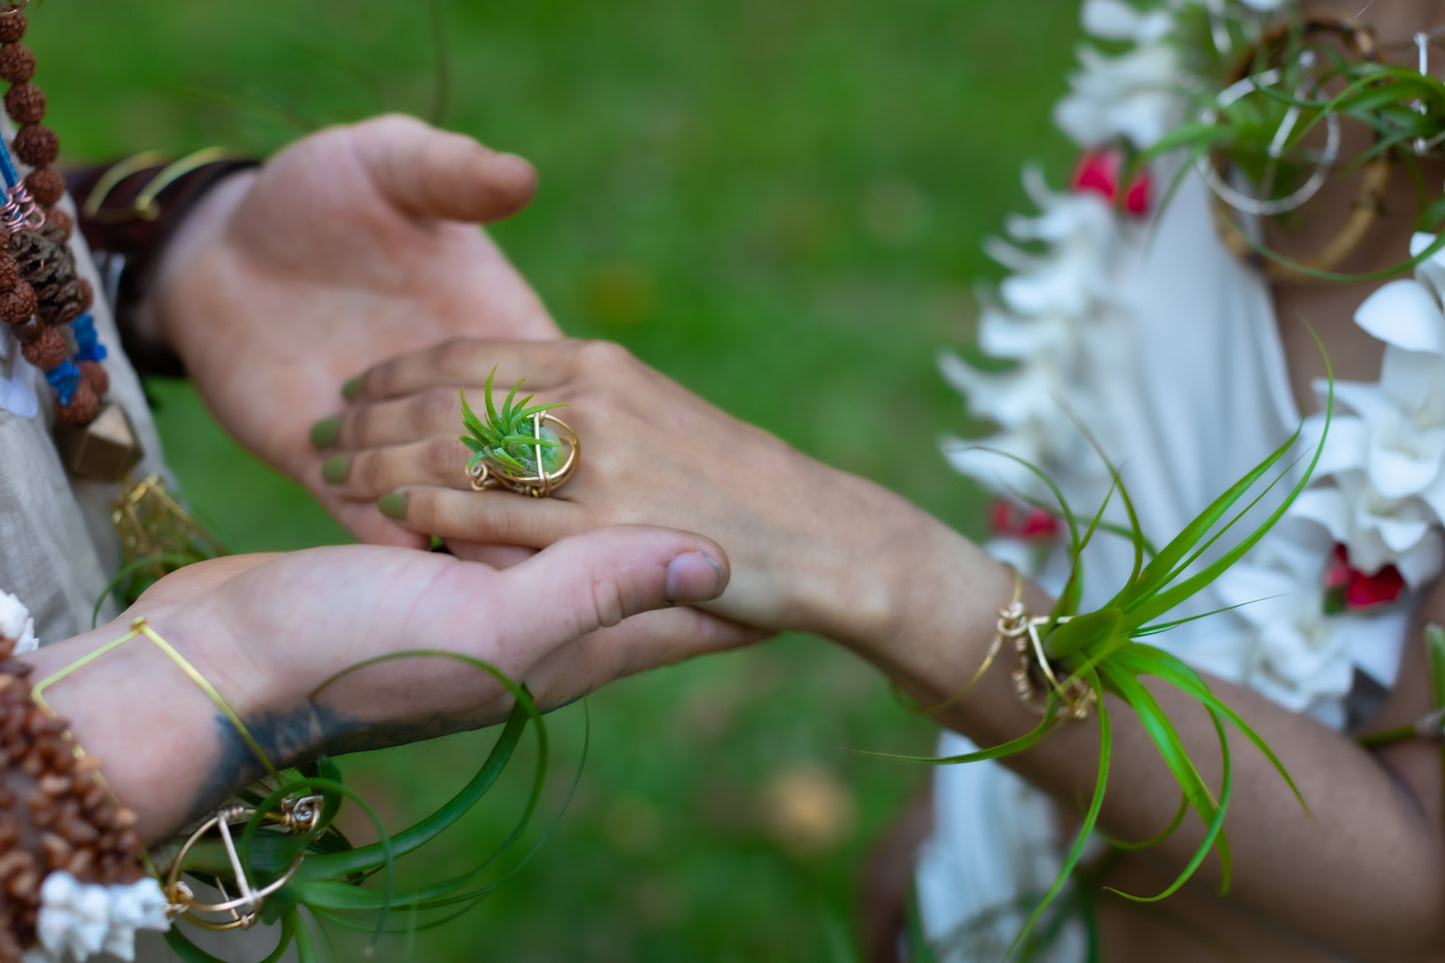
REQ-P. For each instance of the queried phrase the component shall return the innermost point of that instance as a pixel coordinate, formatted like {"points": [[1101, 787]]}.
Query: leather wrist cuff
{"points": [[128, 213]]}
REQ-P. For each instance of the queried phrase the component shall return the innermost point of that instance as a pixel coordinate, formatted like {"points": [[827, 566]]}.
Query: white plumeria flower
{"points": [[1118, 20], [1300, 657], [1134, 96], [1377, 531], [16, 623]]}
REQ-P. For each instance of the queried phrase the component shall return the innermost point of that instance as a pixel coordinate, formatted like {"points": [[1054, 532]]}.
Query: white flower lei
{"points": [[1379, 489]]}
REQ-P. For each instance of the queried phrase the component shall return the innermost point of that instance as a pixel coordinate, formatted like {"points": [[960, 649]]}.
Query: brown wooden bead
{"points": [[57, 851], [18, 304], [54, 784], [12, 27], [48, 352], [46, 185], [59, 225], [36, 145], [25, 103], [96, 375], [9, 272], [83, 407], [17, 63]]}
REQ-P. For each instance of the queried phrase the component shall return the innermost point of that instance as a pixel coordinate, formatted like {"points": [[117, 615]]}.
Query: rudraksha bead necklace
{"points": [[40, 290]]}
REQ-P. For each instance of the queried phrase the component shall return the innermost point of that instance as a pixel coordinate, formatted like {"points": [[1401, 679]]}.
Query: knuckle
{"points": [[434, 408], [602, 356], [459, 358], [441, 456], [607, 599]]}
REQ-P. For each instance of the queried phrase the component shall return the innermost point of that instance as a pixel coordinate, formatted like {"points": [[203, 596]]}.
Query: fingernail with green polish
{"points": [[352, 388], [393, 505], [324, 432], [335, 469]]}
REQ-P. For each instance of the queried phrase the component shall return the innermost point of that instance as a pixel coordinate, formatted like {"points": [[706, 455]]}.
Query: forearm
{"points": [[1367, 852]]}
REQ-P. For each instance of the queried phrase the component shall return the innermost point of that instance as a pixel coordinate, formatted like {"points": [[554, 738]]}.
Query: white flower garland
{"points": [[1379, 490]]}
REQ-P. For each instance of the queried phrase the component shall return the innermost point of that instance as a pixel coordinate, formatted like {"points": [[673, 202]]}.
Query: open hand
{"points": [[352, 245]]}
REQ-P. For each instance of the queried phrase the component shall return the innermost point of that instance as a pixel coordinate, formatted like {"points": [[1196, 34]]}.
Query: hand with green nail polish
{"points": [[352, 245]]}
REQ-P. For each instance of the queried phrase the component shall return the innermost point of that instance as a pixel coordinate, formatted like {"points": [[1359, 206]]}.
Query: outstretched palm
{"points": [[353, 245]]}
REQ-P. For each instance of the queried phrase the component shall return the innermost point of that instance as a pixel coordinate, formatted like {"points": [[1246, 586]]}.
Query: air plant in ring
{"points": [[522, 449]]}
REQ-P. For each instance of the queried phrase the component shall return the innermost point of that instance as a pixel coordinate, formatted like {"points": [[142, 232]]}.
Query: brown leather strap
{"points": [[128, 238]]}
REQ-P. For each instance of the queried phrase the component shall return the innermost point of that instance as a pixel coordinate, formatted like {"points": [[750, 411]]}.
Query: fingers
{"points": [[646, 641], [367, 475], [430, 173], [466, 362], [494, 517], [596, 580]]}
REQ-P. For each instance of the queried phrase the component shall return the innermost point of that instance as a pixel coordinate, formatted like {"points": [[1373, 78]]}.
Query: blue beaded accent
{"points": [[65, 379], [87, 342], [7, 166]]}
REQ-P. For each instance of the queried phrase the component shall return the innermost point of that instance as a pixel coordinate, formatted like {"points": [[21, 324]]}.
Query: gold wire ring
{"points": [[298, 815], [486, 475], [13, 7]]}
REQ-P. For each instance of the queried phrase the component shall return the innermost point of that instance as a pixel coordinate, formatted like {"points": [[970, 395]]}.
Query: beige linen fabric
{"points": [[57, 548]]}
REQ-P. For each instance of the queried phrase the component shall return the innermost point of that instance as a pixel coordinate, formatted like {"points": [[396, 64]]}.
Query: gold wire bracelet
{"points": [[995, 646], [145, 206], [1074, 694], [298, 814]]}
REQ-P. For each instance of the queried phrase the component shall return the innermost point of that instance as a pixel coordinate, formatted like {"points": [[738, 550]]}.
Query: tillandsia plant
{"points": [[1087, 656], [1266, 127], [517, 446], [320, 873]]}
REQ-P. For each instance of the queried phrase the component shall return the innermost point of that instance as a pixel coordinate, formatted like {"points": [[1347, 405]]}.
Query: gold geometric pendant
{"points": [[104, 450]]}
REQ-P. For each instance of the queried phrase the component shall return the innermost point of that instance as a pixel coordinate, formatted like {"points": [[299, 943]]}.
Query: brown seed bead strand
{"points": [[44, 257], [54, 813]]}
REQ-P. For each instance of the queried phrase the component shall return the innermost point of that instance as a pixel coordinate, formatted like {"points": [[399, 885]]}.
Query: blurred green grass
{"points": [[781, 206]]}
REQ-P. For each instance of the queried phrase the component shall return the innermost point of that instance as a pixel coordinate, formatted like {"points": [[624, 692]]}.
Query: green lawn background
{"points": [[779, 204]]}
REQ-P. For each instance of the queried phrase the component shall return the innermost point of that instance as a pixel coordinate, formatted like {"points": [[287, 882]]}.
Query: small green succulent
{"points": [[507, 440]]}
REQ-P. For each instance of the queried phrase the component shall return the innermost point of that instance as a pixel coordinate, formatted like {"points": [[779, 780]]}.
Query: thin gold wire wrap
{"points": [[994, 647], [145, 206], [485, 476], [298, 815], [140, 628], [1075, 694]]}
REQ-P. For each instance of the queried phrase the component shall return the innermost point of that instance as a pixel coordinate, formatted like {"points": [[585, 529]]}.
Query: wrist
{"points": [[924, 608], [156, 735], [164, 310]]}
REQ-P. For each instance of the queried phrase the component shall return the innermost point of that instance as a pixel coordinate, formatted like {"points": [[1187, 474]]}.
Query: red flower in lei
{"points": [[1348, 589], [1099, 171], [1028, 523]]}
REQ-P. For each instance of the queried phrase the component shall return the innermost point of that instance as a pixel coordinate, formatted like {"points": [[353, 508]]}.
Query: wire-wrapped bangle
{"points": [[1036, 680]]}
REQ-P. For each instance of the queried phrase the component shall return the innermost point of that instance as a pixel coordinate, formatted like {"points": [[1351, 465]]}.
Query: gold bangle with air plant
{"points": [[1375, 175], [1035, 677], [297, 815]]}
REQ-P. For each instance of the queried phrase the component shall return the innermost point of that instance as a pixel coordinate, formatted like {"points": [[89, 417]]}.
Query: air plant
{"points": [[517, 445], [329, 884], [1102, 652], [1299, 87]]}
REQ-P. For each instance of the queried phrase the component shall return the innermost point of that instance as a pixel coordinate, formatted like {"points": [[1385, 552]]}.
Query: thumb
{"points": [[597, 579], [430, 173]]}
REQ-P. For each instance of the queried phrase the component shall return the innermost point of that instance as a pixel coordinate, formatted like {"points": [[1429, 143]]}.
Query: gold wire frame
{"points": [[153, 524], [1075, 694], [298, 815], [486, 475]]}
